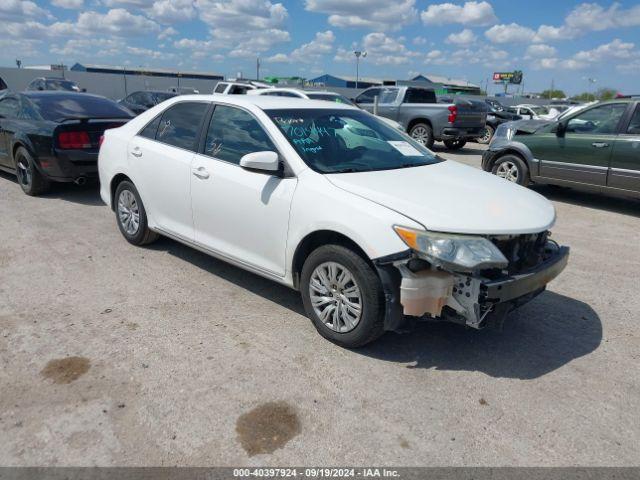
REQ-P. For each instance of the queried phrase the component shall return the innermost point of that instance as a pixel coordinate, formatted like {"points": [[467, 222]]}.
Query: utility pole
{"points": [[358, 54], [258, 68]]}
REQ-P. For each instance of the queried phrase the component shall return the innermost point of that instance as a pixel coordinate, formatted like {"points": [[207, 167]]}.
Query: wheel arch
{"points": [[113, 186], [414, 121], [518, 149], [316, 239]]}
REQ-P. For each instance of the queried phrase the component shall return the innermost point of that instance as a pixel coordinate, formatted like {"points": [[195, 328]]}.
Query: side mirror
{"points": [[266, 161], [561, 129], [83, 90], [40, 88]]}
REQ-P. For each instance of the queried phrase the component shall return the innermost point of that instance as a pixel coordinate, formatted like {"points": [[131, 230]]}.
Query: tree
{"points": [[601, 94], [549, 94]]}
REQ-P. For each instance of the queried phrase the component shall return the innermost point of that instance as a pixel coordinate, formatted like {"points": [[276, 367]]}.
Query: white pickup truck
{"points": [[423, 118]]}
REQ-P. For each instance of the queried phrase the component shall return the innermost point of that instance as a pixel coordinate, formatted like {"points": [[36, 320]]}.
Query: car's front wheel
{"points": [[30, 179], [131, 215], [342, 296], [487, 135], [456, 144], [512, 168]]}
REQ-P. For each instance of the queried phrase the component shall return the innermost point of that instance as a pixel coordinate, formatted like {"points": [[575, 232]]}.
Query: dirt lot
{"points": [[116, 355]]}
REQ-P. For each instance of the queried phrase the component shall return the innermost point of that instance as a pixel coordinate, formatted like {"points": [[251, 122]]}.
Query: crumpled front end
{"points": [[417, 286]]}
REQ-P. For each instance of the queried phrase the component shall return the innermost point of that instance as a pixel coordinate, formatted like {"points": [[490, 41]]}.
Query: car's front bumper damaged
{"points": [[474, 299]]}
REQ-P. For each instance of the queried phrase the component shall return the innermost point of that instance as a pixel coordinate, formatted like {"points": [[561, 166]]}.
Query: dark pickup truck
{"points": [[423, 118]]}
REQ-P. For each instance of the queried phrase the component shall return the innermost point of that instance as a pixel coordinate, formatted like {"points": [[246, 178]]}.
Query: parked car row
{"points": [[595, 148]]}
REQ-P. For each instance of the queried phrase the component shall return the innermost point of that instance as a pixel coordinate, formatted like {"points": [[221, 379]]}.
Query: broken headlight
{"points": [[453, 252]]}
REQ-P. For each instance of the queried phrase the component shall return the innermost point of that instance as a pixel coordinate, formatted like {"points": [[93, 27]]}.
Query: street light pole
{"points": [[358, 54]]}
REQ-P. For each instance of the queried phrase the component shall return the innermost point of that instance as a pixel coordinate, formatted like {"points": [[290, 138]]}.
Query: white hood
{"points": [[451, 197]]}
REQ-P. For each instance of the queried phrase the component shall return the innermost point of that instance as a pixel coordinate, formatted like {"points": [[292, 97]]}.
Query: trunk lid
{"points": [[471, 114]]}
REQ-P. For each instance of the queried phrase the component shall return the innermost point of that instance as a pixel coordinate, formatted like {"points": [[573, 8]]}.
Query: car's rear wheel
{"points": [[342, 296], [487, 135], [422, 133], [30, 179], [456, 144], [512, 168], [131, 215]]}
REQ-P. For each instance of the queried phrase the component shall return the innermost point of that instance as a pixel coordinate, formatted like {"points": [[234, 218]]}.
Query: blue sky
{"points": [[566, 41]]}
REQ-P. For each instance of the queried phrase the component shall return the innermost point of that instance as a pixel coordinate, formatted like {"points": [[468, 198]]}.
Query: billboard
{"points": [[514, 77]]}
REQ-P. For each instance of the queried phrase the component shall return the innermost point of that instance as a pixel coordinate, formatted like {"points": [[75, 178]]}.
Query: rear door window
{"points": [[151, 129], [3, 86], [233, 133], [9, 107], [220, 88], [180, 124], [634, 124], [420, 95]]}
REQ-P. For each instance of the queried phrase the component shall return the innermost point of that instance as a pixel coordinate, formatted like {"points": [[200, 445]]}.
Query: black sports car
{"points": [[54, 136], [142, 101]]}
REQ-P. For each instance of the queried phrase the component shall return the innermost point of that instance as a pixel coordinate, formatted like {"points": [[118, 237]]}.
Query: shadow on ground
{"points": [[440, 148], [625, 206], [88, 194], [538, 338]]}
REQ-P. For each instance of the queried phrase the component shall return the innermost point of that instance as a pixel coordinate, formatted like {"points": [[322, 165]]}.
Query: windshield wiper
{"points": [[347, 170]]}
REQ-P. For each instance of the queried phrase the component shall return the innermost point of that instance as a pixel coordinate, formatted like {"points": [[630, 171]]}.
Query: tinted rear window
{"points": [[60, 107], [420, 95]]}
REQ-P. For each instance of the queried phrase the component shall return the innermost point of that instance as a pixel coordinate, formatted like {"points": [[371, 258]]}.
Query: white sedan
{"points": [[367, 224]]}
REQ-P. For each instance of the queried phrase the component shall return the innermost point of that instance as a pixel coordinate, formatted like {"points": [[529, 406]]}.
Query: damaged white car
{"points": [[369, 225]]}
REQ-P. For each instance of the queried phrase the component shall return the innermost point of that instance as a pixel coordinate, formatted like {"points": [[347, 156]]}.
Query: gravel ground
{"points": [[116, 355]]}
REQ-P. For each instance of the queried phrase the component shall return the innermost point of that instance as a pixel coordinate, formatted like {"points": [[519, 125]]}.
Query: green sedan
{"points": [[596, 148]]}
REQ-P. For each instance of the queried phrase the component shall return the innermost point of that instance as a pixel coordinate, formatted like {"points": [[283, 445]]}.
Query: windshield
{"points": [[330, 97], [62, 85], [341, 141], [162, 96], [56, 107]]}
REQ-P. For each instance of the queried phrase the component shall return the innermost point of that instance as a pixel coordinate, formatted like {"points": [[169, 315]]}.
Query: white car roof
{"points": [[265, 102], [265, 91]]}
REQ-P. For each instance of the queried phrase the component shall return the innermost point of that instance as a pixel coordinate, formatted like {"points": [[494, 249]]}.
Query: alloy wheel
{"points": [[420, 134], [128, 212], [508, 171], [25, 175], [335, 297]]}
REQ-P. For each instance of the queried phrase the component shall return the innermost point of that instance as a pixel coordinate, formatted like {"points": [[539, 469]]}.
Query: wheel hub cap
{"points": [[508, 171], [24, 173], [128, 212], [335, 297]]}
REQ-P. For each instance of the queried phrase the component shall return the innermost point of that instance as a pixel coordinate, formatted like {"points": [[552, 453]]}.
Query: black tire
{"points": [[423, 133], [371, 323], [142, 234], [30, 179], [487, 135], [505, 162], [456, 144]]}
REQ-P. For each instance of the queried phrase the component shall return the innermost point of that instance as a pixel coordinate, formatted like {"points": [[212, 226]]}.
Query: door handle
{"points": [[599, 144], [136, 152], [201, 172]]}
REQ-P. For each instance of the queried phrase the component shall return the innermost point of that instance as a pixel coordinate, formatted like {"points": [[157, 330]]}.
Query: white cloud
{"points": [[540, 50], [372, 14], [511, 33], [310, 52], [485, 55], [616, 49], [172, 11], [478, 14], [17, 10], [71, 4], [465, 37], [419, 41], [249, 27], [117, 21], [384, 50], [167, 33]]}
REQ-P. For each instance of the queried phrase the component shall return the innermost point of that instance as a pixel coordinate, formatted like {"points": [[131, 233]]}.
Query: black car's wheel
{"points": [[423, 133], [455, 144], [131, 215], [512, 168], [30, 179], [487, 135], [342, 296]]}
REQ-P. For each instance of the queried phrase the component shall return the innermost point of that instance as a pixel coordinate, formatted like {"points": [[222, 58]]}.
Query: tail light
{"points": [[74, 140], [100, 141], [453, 113]]}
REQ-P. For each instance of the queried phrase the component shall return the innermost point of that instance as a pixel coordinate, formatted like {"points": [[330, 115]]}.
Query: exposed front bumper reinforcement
{"points": [[472, 300]]}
